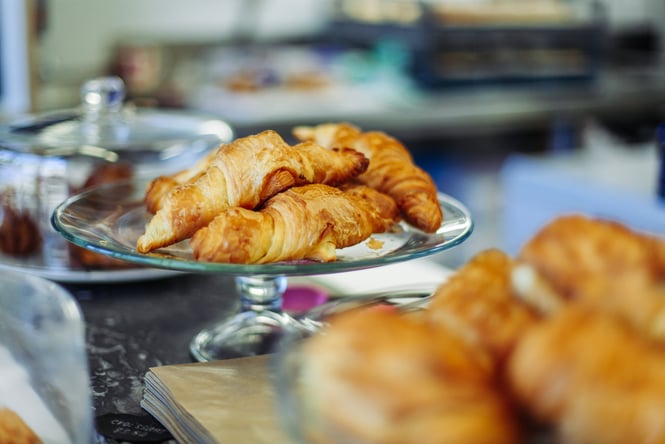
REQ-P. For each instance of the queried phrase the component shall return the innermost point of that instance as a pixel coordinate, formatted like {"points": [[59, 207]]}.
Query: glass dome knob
{"points": [[103, 94]]}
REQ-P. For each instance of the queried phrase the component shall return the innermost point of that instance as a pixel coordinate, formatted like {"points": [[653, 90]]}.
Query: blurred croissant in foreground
{"points": [[566, 337], [593, 377], [375, 376]]}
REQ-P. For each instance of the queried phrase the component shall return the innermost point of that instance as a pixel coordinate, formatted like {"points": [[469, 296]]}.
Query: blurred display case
{"points": [[457, 44], [607, 178]]}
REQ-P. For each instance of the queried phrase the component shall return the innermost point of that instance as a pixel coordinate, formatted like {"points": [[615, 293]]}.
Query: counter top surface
{"points": [[134, 326]]}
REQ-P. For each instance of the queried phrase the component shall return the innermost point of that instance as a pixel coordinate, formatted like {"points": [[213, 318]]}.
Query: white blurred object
{"points": [[606, 178], [18, 395], [44, 373], [14, 57], [419, 275]]}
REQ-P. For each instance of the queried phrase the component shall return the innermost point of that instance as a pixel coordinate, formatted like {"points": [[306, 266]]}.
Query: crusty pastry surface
{"points": [[306, 222], [391, 170], [245, 173], [161, 185]]}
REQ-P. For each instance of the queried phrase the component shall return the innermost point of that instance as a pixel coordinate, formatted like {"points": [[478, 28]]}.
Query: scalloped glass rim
{"points": [[108, 219]]}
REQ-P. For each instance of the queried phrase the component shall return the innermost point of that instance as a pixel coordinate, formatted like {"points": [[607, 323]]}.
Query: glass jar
{"points": [[46, 158]]}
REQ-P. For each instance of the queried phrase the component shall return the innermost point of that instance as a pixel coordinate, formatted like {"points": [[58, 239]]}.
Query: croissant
{"points": [[478, 302], [573, 248], [307, 222], [391, 170], [377, 376], [245, 173], [593, 377], [161, 185], [603, 265]]}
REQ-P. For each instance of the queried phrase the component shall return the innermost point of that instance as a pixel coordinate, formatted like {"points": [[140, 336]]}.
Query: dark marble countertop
{"points": [[131, 327]]}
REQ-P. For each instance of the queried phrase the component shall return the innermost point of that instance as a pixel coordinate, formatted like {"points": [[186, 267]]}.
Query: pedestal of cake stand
{"points": [[254, 329]]}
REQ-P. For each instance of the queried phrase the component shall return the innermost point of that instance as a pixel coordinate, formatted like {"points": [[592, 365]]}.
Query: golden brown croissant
{"points": [[307, 222], [245, 173], [391, 170], [593, 377], [161, 185], [378, 376], [478, 303]]}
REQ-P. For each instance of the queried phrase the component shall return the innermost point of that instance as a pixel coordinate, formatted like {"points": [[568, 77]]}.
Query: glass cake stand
{"points": [[110, 218]]}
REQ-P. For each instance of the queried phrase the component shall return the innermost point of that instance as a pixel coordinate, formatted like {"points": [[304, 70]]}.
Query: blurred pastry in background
{"points": [[102, 174], [106, 173], [504, 12]]}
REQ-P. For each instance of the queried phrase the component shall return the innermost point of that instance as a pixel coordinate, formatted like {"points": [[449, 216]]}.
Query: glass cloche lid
{"points": [[104, 126]]}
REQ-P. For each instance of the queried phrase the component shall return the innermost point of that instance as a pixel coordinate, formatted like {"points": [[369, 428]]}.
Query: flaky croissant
{"points": [[245, 173], [306, 222], [161, 185], [391, 170]]}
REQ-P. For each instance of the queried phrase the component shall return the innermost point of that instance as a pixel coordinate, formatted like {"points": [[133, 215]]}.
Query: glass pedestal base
{"points": [[254, 330]]}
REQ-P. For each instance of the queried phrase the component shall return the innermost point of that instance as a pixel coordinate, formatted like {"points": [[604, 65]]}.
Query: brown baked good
{"points": [[479, 303], [391, 170], [307, 222], [603, 265], [572, 248], [106, 173], [245, 173], [158, 187], [592, 377], [19, 232], [570, 351], [13, 430], [91, 260], [377, 376]]}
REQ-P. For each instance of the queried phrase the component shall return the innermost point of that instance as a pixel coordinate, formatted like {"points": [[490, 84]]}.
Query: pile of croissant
{"points": [[260, 200], [565, 342]]}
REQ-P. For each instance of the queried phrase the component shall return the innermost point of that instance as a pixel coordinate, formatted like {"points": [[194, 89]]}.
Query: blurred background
{"points": [[521, 109]]}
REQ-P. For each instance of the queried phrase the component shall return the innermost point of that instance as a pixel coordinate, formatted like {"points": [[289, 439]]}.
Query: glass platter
{"points": [[110, 218], [68, 273]]}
